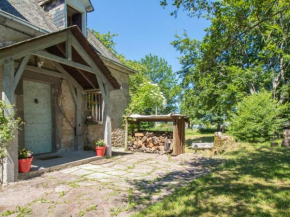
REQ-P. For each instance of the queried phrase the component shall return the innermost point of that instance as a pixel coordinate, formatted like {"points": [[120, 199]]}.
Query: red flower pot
{"points": [[101, 151], [24, 165]]}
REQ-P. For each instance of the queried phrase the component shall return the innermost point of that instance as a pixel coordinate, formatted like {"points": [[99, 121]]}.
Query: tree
{"points": [[245, 49], [160, 72], [145, 95], [107, 39], [257, 118]]}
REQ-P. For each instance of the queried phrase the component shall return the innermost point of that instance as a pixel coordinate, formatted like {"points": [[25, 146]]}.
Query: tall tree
{"points": [[245, 49], [160, 72], [145, 94]]}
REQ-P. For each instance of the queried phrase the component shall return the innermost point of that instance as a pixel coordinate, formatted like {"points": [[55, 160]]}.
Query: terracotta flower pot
{"points": [[101, 150], [24, 165]]}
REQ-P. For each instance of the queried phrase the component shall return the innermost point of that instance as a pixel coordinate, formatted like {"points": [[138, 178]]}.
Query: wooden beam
{"points": [[45, 71], [174, 137], [87, 79], [92, 90], [107, 121], [79, 132], [83, 74], [126, 134], [20, 70], [100, 76], [72, 91], [10, 163], [68, 46], [8, 83], [31, 46], [67, 75], [64, 61]]}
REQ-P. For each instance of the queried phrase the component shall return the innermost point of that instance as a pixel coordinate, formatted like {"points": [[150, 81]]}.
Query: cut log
{"points": [[139, 134], [151, 145]]}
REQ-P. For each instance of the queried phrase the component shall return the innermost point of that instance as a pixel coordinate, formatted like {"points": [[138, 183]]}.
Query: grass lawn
{"points": [[254, 180]]}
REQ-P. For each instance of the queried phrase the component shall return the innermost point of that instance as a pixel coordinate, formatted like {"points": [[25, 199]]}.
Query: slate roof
{"points": [[57, 50], [100, 47], [30, 11], [42, 2]]}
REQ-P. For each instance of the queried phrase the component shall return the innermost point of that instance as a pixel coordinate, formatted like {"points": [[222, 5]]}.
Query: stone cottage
{"points": [[67, 87]]}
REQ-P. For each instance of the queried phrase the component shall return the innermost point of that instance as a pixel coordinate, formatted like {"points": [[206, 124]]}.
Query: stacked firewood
{"points": [[152, 142]]}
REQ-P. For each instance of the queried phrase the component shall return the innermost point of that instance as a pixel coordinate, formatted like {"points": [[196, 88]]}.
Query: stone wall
{"points": [[221, 143], [119, 99], [68, 118], [92, 133], [57, 11]]}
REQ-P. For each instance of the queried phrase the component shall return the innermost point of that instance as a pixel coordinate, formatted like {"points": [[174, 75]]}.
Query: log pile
{"points": [[152, 142]]}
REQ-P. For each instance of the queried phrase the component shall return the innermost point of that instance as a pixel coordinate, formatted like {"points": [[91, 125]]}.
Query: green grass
{"points": [[254, 180]]}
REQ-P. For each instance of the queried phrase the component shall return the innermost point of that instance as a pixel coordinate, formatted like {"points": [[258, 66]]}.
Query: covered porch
{"points": [[35, 76]]}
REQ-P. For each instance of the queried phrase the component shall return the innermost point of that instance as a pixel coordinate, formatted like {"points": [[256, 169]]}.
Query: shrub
{"points": [[8, 125], [207, 130], [257, 118]]}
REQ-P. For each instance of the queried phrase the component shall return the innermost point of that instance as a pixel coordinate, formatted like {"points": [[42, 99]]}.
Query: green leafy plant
{"points": [[257, 118], [8, 125], [24, 153], [149, 96], [100, 143]]}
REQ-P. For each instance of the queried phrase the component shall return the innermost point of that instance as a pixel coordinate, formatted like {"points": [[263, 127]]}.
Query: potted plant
{"points": [[100, 147], [24, 160]]}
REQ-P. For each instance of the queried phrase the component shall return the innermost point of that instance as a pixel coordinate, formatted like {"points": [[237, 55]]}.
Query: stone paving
{"points": [[109, 187]]}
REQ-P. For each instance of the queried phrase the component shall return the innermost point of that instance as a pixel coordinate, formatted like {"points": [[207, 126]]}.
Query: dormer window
{"points": [[65, 13], [74, 17]]}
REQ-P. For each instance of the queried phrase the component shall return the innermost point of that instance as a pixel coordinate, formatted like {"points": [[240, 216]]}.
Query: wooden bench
{"points": [[202, 145]]}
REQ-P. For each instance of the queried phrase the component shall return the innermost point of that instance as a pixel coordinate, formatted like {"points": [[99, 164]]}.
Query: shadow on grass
{"points": [[252, 182], [151, 191]]}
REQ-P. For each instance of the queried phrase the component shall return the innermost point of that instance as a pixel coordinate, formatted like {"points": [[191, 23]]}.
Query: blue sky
{"points": [[144, 27]]}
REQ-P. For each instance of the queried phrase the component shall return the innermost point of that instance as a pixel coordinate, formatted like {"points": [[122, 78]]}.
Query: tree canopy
{"points": [[246, 49], [154, 84]]}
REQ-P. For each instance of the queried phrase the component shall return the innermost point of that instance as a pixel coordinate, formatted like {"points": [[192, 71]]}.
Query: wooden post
{"points": [[174, 137], [20, 70], [68, 47], [79, 105], [10, 170], [183, 137], [178, 137], [126, 134], [107, 120]]}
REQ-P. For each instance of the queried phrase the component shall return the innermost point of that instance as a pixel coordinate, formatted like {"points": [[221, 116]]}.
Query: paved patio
{"points": [[44, 161], [108, 187]]}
